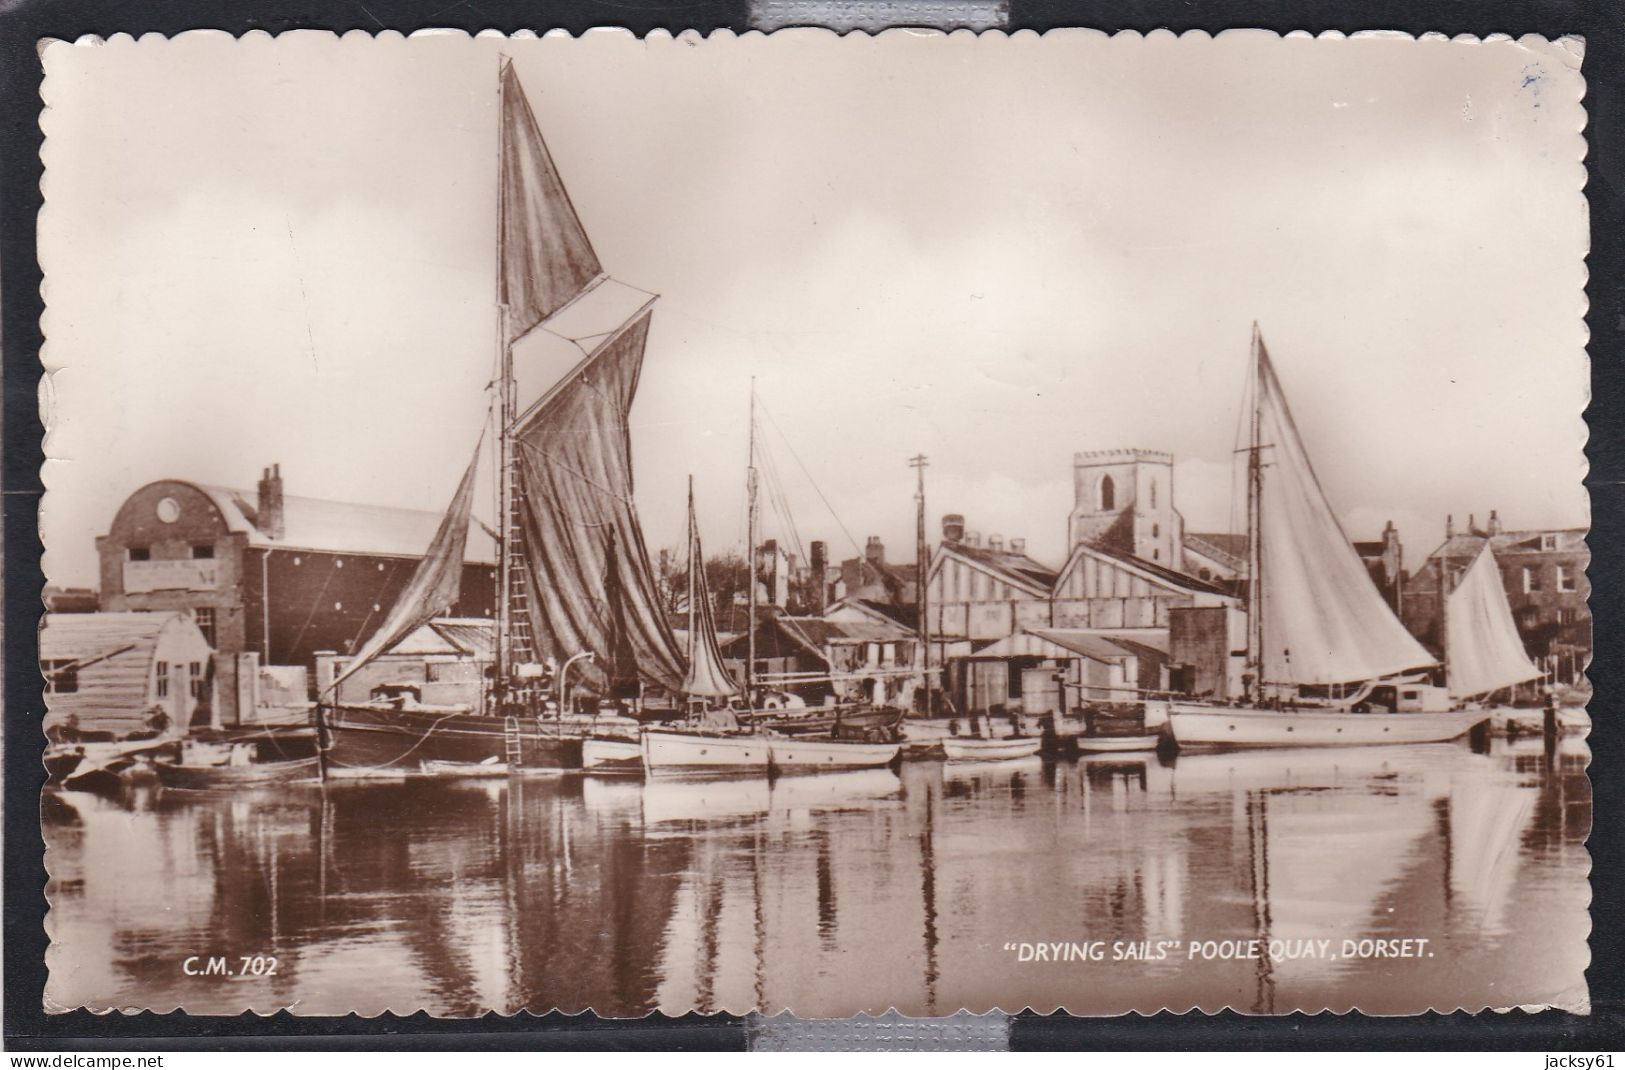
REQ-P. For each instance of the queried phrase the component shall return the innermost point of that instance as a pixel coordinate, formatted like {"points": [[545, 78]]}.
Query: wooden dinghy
{"points": [[227, 776], [976, 749], [604, 755], [1116, 744], [442, 768]]}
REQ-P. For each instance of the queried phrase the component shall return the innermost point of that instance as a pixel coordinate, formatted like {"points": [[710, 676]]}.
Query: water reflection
{"points": [[833, 894]]}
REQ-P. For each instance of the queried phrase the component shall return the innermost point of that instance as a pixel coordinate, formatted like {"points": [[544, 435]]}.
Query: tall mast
{"points": [[1255, 534], [505, 387], [694, 562], [921, 599], [750, 550]]}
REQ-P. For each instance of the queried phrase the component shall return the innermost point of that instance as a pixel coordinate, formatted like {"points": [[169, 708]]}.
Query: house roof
{"points": [[320, 525], [1017, 568], [1466, 545], [880, 611], [1072, 642], [82, 636], [469, 636], [1222, 546], [812, 635], [1159, 572]]}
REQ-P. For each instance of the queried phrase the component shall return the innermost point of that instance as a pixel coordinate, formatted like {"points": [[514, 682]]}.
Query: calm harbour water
{"points": [[830, 895]]}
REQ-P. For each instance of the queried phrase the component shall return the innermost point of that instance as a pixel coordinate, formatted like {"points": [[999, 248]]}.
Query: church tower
{"points": [[1123, 501]]}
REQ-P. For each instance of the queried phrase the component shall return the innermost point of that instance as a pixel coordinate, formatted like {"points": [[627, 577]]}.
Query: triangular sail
{"points": [[435, 585], [706, 677], [545, 256], [590, 584], [1323, 619], [1483, 651]]}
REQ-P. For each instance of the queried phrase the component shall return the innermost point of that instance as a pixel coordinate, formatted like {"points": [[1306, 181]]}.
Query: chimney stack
{"points": [[1450, 526], [1495, 523], [875, 552], [973, 538], [1018, 546], [818, 555], [953, 527], [995, 543], [269, 518]]}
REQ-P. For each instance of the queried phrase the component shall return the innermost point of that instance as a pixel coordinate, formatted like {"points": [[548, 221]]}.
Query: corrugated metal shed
{"points": [[319, 525]]}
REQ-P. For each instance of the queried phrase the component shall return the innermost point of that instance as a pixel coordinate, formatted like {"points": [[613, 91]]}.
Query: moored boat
{"points": [[1115, 744], [1324, 651], [679, 751], [458, 770], [1209, 726], [977, 749], [228, 776], [800, 754], [611, 754]]}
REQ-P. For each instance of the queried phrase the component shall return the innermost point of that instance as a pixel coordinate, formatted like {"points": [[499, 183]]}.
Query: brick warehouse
{"points": [[273, 575]]}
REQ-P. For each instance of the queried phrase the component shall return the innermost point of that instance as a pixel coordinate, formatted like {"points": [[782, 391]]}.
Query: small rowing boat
{"points": [[1116, 744], [490, 767], [977, 749], [601, 755], [227, 776]]}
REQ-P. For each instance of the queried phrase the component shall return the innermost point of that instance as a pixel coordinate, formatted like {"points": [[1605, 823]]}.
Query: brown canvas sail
{"points": [[590, 584], [435, 585], [580, 577], [546, 258]]}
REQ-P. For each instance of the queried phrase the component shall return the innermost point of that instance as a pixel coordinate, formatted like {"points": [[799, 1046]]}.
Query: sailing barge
{"points": [[577, 593]]}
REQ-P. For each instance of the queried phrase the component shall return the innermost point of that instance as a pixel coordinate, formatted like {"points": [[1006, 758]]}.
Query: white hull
{"points": [[1116, 744], [611, 755], [667, 753], [1224, 726], [788, 754], [463, 769], [990, 750]]}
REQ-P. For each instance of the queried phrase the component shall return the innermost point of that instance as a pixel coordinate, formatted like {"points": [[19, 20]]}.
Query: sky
{"points": [[994, 250]]}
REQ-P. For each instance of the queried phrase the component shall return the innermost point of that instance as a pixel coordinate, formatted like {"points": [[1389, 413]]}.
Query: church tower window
{"points": [[1108, 494]]}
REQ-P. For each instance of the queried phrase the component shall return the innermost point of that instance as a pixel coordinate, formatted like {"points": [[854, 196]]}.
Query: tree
{"points": [[725, 574]]}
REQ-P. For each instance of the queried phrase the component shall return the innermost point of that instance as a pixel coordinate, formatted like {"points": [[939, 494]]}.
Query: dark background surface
{"points": [[28, 1027]]}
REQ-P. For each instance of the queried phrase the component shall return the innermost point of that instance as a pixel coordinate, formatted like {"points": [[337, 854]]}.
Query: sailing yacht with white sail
{"points": [[1315, 620], [576, 587], [713, 741]]}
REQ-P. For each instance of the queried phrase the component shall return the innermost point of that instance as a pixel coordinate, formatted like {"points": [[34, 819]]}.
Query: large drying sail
{"points": [[1323, 620], [575, 343], [706, 677], [590, 584], [546, 258], [435, 585], [1483, 651]]}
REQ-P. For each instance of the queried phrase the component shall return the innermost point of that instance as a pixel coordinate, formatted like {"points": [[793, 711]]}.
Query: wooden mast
{"points": [[750, 553], [1255, 534], [921, 564], [505, 387]]}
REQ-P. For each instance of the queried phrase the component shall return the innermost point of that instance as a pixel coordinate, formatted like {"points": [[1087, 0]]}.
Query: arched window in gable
{"points": [[1108, 494]]}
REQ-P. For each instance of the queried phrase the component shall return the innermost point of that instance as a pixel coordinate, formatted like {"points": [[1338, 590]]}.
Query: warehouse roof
{"points": [[345, 527]]}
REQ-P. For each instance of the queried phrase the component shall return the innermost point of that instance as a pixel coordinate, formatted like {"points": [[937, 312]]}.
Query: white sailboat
{"points": [[1315, 620], [713, 741]]}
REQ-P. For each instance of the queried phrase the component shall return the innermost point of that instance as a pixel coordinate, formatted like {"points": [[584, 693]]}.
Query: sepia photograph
{"points": [[817, 524]]}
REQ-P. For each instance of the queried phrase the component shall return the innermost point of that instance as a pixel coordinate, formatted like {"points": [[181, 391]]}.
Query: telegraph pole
{"points": [[921, 566]]}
